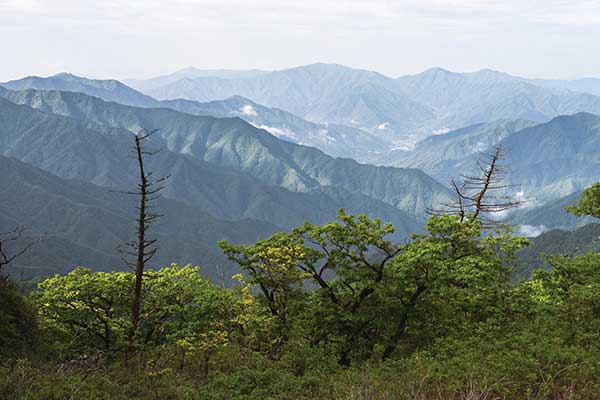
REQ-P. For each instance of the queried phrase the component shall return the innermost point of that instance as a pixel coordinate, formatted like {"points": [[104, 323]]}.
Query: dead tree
{"points": [[8, 239], [478, 197], [143, 248]]}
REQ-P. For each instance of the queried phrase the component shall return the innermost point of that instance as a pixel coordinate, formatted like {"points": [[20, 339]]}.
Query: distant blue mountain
{"points": [[318, 92], [334, 139], [401, 110], [109, 90], [582, 85], [462, 99], [547, 161]]}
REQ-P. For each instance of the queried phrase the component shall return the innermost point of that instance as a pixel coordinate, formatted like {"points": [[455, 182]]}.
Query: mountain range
{"points": [[342, 111], [546, 161], [223, 170], [234, 144], [401, 110], [253, 152], [442, 156], [334, 139]]}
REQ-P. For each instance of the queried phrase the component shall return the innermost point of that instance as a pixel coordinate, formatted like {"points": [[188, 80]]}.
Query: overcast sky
{"points": [[143, 38]]}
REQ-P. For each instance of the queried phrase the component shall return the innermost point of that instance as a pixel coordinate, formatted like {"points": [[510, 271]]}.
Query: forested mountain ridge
{"points": [[109, 89], [557, 158], [235, 144], [81, 224], [76, 149], [442, 156], [214, 194], [551, 214], [334, 139], [581, 241], [546, 161]]}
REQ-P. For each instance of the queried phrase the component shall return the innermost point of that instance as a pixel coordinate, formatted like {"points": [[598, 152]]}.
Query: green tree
{"points": [[589, 204], [185, 313], [571, 291], [180, 310], [349, 268], [367, 290], [19, 333], [444, 275], [272, 265], [86, 310]]}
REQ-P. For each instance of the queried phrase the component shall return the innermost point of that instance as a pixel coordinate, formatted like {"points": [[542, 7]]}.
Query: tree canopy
{"points": [[323, 311]]}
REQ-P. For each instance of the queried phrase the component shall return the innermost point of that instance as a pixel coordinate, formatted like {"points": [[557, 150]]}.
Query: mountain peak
{"points": [[67, 76], [581, 116], [321, 67], [433, 74], [491, 73], [64, 74], [106, 89], [188, 69], [437, 70]]}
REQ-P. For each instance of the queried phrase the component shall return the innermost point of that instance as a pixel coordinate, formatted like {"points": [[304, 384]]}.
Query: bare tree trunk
{"points": [[141, 239], [143, 248]]}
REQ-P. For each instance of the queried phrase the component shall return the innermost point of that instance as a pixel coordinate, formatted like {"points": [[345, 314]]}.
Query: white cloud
{"points": [[531, 230], [248, 110], [440, 131], [526, 201], [323, 135], [383, 126], [279, 132]]}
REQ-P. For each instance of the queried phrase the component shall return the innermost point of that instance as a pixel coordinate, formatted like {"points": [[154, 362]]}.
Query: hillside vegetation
{"points": [[320, 312], [320, 277]]}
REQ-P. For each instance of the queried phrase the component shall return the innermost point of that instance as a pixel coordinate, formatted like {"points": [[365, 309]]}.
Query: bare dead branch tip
{"points": [[476, 196]]}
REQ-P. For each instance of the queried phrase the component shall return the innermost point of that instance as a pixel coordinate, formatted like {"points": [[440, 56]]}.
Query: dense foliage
{"points": [[332, 312]]}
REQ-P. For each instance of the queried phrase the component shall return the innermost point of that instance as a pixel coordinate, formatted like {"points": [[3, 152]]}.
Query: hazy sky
{"points": [[142, 38]]}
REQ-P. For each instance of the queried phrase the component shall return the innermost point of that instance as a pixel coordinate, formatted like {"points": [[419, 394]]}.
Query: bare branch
{"points": [[14, 236], [476, 196]]}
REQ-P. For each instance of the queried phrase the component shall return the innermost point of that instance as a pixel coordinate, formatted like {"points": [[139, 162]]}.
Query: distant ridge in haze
{"points": [[317, 92], [343, 111], [336, 140], [190, 73], [401, 110], [109, 89], [582, 85], [461, 99]]}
